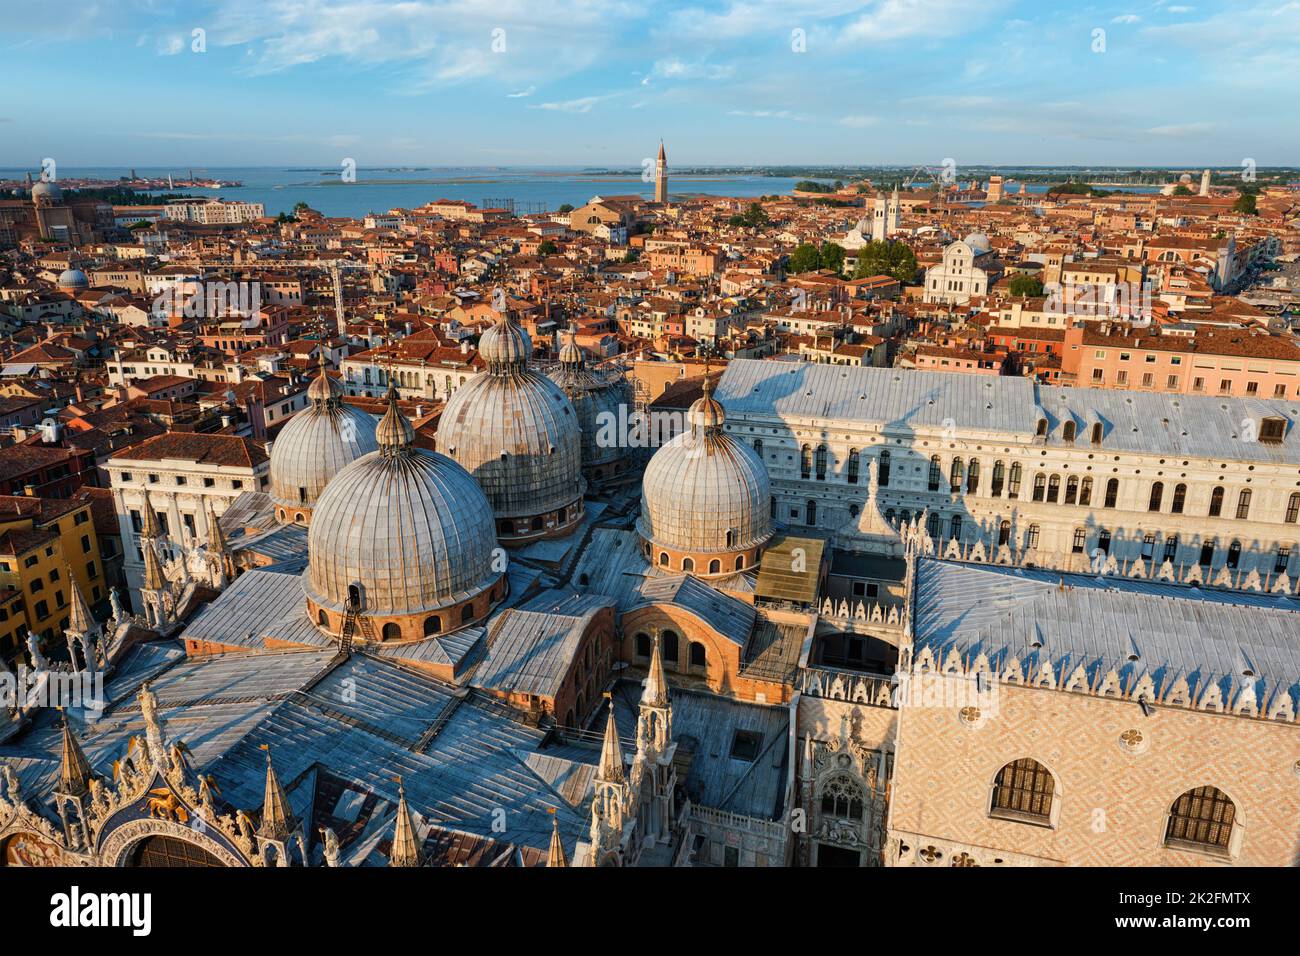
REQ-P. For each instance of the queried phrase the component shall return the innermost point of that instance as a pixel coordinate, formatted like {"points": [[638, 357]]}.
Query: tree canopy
{"points": [[894, 259]]}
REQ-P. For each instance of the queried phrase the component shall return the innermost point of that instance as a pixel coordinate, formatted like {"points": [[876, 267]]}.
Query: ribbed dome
{"points": [[704, 490], [73, 279], [313, 447], [505, 344], [978, 242], [596, 399], [518, 435], [317, 443], [410, 527]]}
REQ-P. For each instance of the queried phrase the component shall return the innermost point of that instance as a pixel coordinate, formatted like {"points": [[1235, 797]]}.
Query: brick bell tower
{"points": [[661, 175]]}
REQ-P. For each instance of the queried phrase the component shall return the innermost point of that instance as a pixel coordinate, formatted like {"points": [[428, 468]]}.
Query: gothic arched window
{"points": [[842, 797], [883, 477], [853, 466]]}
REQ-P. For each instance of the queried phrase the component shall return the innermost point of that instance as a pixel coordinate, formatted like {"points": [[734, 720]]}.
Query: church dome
{"points": [[597, 399], [408, 536], [517, 433], [705, 493], [73, 279], [505, 344], [47, 193], [314, 446], [979, 243]]}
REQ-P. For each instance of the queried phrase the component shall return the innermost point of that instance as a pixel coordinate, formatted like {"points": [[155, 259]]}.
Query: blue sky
{"points": [[550, 82]]}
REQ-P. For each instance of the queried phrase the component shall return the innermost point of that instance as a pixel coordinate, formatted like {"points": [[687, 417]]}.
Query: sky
{"points": [[593, 83]]}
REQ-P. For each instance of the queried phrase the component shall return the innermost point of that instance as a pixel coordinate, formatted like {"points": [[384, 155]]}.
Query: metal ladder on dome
{"points": [[353, 622]]}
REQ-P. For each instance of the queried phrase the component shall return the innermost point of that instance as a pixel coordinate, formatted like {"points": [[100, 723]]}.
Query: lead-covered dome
{"points": [[979, 243], [706, 498], [72, 279], [604, 406], [407, 536], [517, 433], [314, 446]]}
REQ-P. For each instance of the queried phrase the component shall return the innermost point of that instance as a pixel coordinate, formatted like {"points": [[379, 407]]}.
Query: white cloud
{"points": [[518, 94], [1126, 18], [858, 122], [582, 104], [1181, 130], [169, 45]]}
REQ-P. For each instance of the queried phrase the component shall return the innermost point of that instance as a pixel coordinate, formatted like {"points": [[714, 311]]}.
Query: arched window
{"points": [[1042, 428], [731, 537], [805, 462], [322, 618], [668, 646], [1040, 486], [956, 527], [1293, 508], [698, 657], [166, 851], [1080, 541], [467, 614], [740, 562], [1085, 491], [1234, 555], [1216, 502], [688, 564], [932, 525], [955, 474], [1103, 541], [883, 477], [1068, 431], [1096, 433], [391, 632], [854, 460], [842, 798], [1207, 553], [936, 473], [973, 477], [354, 595], [821, 462], [1203, 818], [811, 512], [1023, 791], [432, 625], [1171, 548], [1072, 489], [1243, 504], [643, 647], [999, 473], [1004, 533], [1157, 493], [715, 566], [663, 558], [1112, 492], [758, 446], [1054, 489], [1031, 539], [1180, 499]]}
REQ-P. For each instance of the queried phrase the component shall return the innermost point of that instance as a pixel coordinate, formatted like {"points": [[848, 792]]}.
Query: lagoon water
{"points": [[532, 189]]}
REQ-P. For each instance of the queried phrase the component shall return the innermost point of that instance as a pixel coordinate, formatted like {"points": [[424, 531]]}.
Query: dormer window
{"points": [[1272, 429]]}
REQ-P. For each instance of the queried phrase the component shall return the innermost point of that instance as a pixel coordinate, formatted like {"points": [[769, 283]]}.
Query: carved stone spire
{"points": [[75, 772], [406, 849], [556, 857], [277, 816], [154, 578], [655, 693], [611, 754], [80, 620], [150, 528]]}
